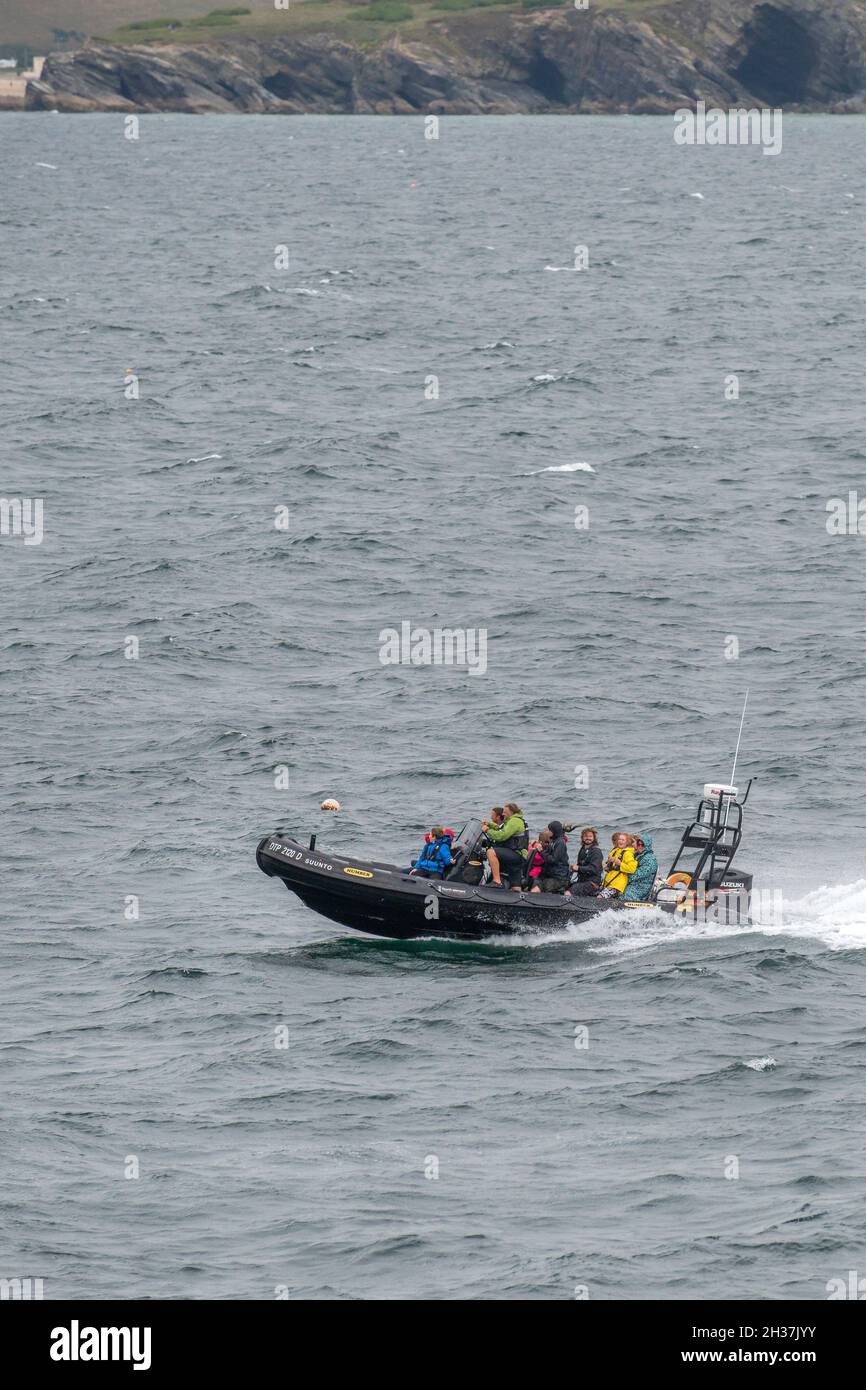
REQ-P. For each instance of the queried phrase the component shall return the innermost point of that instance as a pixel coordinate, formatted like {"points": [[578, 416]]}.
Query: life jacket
{"points": [[518, 841], [534, 864], [436, 855], [621, 871]]}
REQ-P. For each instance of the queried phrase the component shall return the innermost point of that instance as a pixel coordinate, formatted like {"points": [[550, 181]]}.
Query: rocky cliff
{"points": [[807, 54]]}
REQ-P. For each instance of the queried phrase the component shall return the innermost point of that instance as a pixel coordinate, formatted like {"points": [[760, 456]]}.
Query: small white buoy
{"points": [[329, 804]]}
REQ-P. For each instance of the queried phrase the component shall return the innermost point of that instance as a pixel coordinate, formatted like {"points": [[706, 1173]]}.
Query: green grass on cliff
{"points": [[361, 23], [43, 25], [392, 11], [374, 21]]}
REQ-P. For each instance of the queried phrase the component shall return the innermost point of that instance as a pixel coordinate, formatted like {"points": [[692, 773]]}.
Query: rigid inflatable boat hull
{"points": [[381, 899]]}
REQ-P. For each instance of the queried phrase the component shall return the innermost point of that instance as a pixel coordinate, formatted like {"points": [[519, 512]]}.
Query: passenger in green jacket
{"points": [[509, 845]]}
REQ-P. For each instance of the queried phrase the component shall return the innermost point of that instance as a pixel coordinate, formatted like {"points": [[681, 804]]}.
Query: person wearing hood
{"points": [[434, 861], [642, 881], [556, 873]]}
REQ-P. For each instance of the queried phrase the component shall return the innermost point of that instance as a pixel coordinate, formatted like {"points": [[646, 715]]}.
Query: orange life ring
{"points": [[674, 879]]}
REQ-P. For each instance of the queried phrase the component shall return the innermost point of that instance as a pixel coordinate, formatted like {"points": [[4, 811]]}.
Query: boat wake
{"points": [[833, 915]]}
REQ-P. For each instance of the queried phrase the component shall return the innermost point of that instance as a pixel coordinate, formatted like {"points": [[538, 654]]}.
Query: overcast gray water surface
{"points": [[139, 783]]}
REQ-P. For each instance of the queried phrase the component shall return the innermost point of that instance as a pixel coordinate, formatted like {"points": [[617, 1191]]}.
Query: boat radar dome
{"points": [[329, 804], [719, 791]]}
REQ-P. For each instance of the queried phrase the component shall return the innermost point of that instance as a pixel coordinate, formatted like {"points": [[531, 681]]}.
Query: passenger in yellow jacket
{"points": [[621, 864]]}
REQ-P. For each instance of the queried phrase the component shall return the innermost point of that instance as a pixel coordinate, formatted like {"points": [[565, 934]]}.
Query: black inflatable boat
{"points": [[382, 899]]}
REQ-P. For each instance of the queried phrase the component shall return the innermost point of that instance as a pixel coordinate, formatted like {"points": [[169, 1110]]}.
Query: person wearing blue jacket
{"points": [[435, 857], [642, 881]]}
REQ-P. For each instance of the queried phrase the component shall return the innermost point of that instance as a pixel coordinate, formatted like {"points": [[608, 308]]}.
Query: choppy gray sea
{"points": [[429, 385]]}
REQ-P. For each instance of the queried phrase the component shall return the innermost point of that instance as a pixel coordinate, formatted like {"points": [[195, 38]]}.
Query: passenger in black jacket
{"points": [[589, 866], [556, 872]]}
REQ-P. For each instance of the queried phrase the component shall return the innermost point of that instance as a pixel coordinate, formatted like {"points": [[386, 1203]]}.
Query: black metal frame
{"points": [[718, 839]]}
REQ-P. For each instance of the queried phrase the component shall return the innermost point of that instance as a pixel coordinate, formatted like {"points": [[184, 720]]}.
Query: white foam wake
{"points": [[580, 467], [834, 915]]}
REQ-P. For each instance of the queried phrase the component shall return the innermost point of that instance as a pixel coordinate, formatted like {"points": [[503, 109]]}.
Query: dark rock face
{"points": [[780, 56], [805, 53], [803, 57]]}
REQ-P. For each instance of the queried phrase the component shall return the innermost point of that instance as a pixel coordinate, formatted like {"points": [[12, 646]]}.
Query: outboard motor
{"points": [[710, 890]]}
